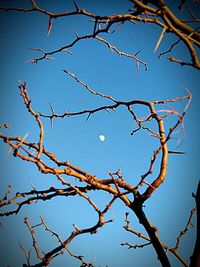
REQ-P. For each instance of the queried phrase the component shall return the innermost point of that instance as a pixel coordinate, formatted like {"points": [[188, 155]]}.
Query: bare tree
{"points": [[132, 196]]}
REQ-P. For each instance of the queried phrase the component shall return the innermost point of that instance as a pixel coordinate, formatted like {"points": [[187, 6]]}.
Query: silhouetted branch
{"points": [[195, 258], [49, 256], [135, 246], [27, 254], [36, 195], [173, 250], [183, 232]]}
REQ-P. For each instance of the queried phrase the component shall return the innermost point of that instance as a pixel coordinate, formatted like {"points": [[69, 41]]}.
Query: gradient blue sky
{"points": [[76, 140]]}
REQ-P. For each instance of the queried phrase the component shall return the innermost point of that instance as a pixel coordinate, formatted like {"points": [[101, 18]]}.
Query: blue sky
{"points": [[76, 140]]}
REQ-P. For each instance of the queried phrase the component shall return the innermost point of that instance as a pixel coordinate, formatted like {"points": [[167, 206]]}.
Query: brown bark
{"points": [[195, 258]]}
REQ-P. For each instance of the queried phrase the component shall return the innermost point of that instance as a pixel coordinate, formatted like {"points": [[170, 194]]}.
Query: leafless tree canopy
{"points": [[133, 196]]}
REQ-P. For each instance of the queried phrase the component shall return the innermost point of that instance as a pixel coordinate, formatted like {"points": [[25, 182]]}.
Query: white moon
{"points": [[102, 137]]}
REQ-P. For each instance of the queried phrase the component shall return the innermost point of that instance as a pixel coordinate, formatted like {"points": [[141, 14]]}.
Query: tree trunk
{"points": [[195, 258], [152, 232]]}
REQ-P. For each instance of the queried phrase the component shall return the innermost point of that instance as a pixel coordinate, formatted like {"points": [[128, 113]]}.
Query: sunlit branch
{"points": [[27, 102], [187, 34], [47, 55], [158, 14], [88, 88], [82, 175], [114, 48]]}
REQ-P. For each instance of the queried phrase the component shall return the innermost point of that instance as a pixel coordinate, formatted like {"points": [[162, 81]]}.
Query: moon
{"points": [[102, 137]]}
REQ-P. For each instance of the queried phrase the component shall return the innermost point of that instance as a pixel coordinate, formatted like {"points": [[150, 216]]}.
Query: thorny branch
{"points": [[153, 12], [173, 250], [150, 12], [116, 184], [47, 257], [27, 254], [34, 196]]}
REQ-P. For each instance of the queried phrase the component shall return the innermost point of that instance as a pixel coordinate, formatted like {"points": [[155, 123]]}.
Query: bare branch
{"points": [[27, 254], [88, 88], [131, 194]]}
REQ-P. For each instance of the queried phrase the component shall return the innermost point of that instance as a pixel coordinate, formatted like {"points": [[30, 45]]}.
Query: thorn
{"points": [[52, 109], [77, 8], [51, 122], [49, 58], [117, 27], [88, 116], [32, 185], [176, 152], [137, 53], [67, 51], [108, 111], [191, 14], [95, 26], [160, 39], [137, 67], [77, 36], [49, 26], [76, 228]]}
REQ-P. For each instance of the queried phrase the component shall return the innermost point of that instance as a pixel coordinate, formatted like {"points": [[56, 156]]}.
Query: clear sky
{"points": [[77, 140]]}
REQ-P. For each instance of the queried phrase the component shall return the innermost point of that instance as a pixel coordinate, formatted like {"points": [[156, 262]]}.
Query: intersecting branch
{"points": [[153, 12], [133, 195], [115, 184]]}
